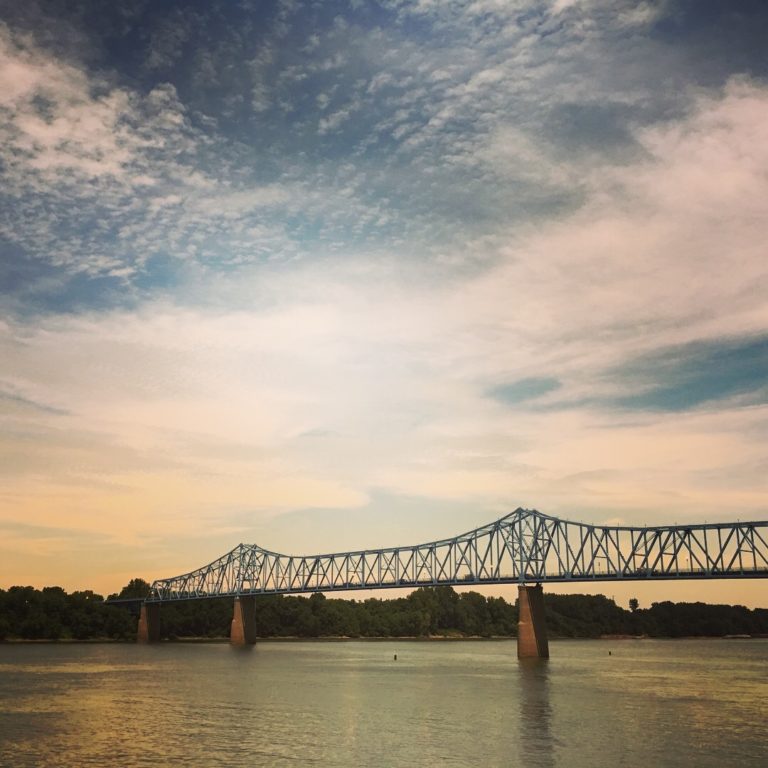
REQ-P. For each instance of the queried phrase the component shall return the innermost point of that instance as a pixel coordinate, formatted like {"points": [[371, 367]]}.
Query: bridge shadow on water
{"points": [[536, 745]]}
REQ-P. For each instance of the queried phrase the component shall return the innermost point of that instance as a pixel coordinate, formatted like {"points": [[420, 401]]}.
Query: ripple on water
{"points": [[343, 704]]}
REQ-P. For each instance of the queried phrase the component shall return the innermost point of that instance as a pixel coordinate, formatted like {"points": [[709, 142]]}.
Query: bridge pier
{"points": [[243, 631], [532, 640], [149, 623]]}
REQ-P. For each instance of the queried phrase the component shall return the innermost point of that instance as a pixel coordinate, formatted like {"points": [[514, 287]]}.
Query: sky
{"points": [[336, 275]]}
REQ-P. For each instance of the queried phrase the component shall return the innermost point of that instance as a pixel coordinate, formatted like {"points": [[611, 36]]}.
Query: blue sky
{"points": [[352, 274]]}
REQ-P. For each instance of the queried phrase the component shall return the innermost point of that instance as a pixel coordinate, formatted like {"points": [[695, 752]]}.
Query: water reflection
{"points": [[536, 746]]}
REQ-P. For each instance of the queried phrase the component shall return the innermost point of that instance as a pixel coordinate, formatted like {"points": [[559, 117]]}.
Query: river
{"points": [[649, 703]]}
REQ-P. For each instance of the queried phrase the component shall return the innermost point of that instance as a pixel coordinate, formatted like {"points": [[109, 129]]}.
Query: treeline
{"points": [[425, 612], [596, 615], [52, 614]]}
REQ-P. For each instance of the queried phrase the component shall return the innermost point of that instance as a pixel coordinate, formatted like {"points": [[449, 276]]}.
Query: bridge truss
{"points": [[524, 546]]}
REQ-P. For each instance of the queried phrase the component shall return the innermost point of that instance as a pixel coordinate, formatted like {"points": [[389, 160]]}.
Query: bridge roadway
{"points": [[524, 547]]}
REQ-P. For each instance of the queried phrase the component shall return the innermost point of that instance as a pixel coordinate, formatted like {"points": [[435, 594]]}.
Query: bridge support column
{"points": [[243, 630], [149, 623], [532, 640]]}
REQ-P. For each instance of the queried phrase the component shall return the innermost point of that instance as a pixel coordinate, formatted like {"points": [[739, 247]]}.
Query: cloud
{"points": [[234, 204], [524, 389], [392, 139], [38, 533], [100, 179], [683, 377], [668, 244], [654, 244], [16, 399], [624, 13], [337, 118]]}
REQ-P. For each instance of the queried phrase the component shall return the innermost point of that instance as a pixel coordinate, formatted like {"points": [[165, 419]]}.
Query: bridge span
{"points": [[524, 547]]}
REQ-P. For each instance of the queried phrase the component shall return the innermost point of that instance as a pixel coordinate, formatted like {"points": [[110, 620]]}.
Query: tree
{"points": [[135, 588], [633, 604]]}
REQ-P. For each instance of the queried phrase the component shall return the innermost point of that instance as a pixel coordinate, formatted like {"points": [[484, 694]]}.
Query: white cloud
{"points": [[392, 367], [336, 119], [79, 158], [242, 201], [68, 128], [461, 116], [625, 13]]}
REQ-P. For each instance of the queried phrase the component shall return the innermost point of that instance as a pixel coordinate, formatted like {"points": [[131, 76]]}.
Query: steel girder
{"points": [[524, 546]]}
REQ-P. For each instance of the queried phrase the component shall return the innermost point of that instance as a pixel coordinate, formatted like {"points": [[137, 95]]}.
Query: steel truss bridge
{"points": [[524, 546]]}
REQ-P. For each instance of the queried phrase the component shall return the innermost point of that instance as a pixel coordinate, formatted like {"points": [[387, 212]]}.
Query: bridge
{"points": [[525, 547]]}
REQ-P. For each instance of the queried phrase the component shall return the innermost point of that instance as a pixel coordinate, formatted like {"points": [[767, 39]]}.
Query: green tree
{"points": [[137, 588]]}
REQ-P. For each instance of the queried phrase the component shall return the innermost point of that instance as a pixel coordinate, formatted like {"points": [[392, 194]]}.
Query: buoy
{"points": [[395, 657]]}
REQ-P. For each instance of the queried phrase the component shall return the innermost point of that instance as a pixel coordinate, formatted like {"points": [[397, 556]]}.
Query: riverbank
{"points": [[344, 639], [427, 613]]}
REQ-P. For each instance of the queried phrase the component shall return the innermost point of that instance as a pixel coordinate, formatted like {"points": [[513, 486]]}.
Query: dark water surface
{"points": [[650, 703]]}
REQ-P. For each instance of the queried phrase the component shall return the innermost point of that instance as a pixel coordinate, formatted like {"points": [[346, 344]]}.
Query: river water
{"points": [[648, 703]]}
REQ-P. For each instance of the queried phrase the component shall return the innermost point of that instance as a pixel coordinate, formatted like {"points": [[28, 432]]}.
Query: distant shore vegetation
{"points": [[53, 614]]}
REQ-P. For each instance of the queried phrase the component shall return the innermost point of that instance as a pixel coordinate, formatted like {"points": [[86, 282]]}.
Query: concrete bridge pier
{"points": [[149, 623], [532, 640], [243, 631]]}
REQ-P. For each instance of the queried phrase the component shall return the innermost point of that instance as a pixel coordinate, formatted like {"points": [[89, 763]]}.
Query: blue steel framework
{"points": [[524, 546]]}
